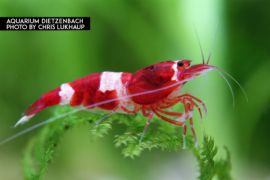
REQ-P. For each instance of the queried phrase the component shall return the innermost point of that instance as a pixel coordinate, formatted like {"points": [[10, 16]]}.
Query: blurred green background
{"points": [[127, 35]]}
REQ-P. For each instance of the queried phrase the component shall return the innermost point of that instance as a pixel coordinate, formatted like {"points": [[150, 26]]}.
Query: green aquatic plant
{"points": [[209, 166], [41, 148]]}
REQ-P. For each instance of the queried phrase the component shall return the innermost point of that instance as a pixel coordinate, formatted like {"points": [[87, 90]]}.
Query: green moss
{"points": [[209, 166], [161, 135]]}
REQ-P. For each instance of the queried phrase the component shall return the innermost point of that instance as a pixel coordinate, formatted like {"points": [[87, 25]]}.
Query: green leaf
{"points": [[209, 167]]}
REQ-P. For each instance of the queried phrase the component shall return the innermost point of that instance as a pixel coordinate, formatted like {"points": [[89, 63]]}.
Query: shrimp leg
{"points": [[150, 117], [106, 116]]}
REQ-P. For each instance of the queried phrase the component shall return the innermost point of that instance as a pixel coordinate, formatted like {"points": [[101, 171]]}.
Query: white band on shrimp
{"points": [[109, 81], [66, 93], [174, 67]]}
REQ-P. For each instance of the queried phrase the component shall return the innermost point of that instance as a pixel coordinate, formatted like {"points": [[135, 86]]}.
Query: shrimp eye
{"points": [[180, 64]]}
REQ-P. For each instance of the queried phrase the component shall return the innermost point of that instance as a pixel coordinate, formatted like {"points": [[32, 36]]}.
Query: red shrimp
{"points": [[150, 91], [128, 93]]}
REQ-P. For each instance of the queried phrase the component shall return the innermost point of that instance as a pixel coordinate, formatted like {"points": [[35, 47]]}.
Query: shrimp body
{"points": [[98, 87], [85, 91]]}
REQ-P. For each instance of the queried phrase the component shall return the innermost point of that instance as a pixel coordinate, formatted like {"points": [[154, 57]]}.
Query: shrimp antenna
{"points": [[233, 79], [50, 120], [213, 44], [37, 126], [200, 45], [230, 87]]}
